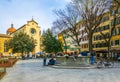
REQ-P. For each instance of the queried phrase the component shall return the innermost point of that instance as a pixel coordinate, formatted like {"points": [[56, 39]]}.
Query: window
{"points": [[112, 22], [97, 29], [113, 12], [106, 27], [105, 19], [33, 31], [94, 38], [116, 22], [65, 36], [82, 46], [100, 37], [119, 30], [87, 45], [104, 44], [113, 43], [5, 46], [102, 28], [93, 45], [114, 32], [119, 42], [116, 42], [119, 10], [107, 35]]}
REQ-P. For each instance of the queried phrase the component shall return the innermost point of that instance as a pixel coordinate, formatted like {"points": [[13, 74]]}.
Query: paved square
{"points": [[33, 71]]}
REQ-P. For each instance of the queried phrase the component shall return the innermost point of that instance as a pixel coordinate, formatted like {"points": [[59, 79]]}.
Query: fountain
{"points": [[71, 61]]}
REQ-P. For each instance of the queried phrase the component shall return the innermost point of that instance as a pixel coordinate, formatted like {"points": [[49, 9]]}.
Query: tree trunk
{"points": [[90, 42], [79, 49], [108, 50], [65, 43]]}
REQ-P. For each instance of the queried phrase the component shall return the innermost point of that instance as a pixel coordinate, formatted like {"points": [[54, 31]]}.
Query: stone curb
{"points": [[69, 67]]}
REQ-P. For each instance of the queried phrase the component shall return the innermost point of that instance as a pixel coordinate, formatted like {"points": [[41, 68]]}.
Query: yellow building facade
{"points": [[98, 41], [106, 25], [3, 44], [69, 45], [31, 28]]}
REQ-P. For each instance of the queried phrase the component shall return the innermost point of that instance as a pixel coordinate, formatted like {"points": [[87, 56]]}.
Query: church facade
{"points": [[31, 28]]}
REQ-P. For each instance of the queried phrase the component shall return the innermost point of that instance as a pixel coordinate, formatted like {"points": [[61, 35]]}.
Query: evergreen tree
{"points": [[50, 43], [21, 43]]}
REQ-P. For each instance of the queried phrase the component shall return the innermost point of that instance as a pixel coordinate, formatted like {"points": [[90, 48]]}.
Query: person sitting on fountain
{"points": [[51, 61]]}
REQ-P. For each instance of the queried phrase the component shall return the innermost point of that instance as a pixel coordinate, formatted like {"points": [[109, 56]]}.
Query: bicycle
{"points": [[105, 63]]}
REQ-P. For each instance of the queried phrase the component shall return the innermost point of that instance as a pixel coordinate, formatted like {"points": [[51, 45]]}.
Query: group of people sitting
{"points": [[52, 61]]}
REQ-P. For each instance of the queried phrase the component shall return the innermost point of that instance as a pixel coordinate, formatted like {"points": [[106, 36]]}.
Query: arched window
{"points": [[114, 32], [5, 46]]}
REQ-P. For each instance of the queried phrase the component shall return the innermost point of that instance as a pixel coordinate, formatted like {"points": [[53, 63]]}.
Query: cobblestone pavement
{"points": [[33, 71]]}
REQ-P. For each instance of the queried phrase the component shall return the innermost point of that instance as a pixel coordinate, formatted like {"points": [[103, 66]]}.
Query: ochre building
{"points": [[31, 28]]}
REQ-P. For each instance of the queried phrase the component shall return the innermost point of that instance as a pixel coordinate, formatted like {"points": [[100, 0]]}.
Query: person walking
{"points": [[44, 59], [93, 57]]}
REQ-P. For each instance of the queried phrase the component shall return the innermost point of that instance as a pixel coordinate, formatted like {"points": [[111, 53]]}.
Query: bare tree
{"points": [[91, 12], [117, 2], [57, 28], [68, 21]]}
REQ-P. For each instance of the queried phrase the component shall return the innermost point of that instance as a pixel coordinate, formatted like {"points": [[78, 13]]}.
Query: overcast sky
{"points": [[19, 12]]}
